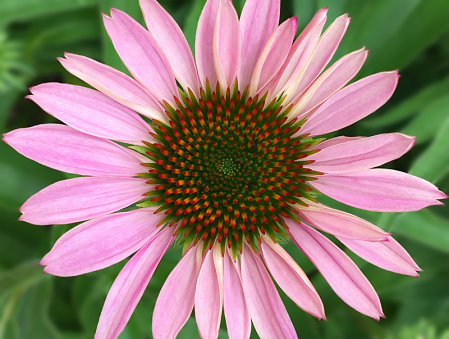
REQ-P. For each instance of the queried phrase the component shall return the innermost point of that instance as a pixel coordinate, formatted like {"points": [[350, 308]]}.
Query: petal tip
{"points": [[5, 138], [106, 17], [294, 19], [443, 195], [44, 261], [322, 14]]}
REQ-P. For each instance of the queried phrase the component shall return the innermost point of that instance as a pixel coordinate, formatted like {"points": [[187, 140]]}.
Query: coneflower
{"points": [[226, 163]]}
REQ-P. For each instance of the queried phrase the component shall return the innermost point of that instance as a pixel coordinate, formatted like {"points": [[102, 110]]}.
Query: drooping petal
{"points": [[388, 255], [380, 190], [328, 83], [101, 242], [130, 284], [258, 21], [352, 103], [338, 269], [80, 199], [142, 55], [208, 301], [273, 55], [226, 44], [324, 51], [299, 54], [361, 154], [238, 321], [291, 278], [204, 42], [114, 84], [268, 313], [340, 223], [66, 149], [172, 41], [176, 299], [90, 112]]}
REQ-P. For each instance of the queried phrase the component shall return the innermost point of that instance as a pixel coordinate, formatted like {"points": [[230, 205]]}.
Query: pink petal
{"points": [[90, 112], [360, 154], [380, 190], [130, 284], [172, 41], [258, 21], [323, 53], [142, 55], [176, 299], [268, 313], [238, 321], [335, 141], [340, 223], [66, 149], [208, 301], [273, 55], [291, 278], [204, 42], [388, 255], [80, 199], [331, 81], [218, 262], [226, 44], [114, 84], [338, 269], [101, 242], [299, 53], [352, 103]]}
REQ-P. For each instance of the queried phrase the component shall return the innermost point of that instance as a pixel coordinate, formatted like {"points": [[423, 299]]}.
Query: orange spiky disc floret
{"points": [[227, 167]]}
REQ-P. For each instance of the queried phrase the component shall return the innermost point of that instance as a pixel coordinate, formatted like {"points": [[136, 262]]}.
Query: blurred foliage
{"points": [[410, 35]]}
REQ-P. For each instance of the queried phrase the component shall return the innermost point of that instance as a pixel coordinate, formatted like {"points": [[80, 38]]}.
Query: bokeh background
{"points": [[409, 35]]}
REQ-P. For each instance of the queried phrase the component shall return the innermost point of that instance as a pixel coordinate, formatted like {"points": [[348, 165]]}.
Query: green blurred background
{"points": [[409, 35]]}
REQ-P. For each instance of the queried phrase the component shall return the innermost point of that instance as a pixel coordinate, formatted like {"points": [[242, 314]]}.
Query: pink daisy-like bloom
{"points": [[225, 165]]}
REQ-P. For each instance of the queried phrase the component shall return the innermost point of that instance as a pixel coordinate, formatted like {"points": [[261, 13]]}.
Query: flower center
{"points": [[228, 167]]}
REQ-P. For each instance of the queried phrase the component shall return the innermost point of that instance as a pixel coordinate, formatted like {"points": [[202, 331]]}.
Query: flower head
{"points": [[226, 165]]}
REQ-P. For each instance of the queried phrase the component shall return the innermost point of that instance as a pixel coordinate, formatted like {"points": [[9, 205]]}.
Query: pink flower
{"points": [[224, 165]]}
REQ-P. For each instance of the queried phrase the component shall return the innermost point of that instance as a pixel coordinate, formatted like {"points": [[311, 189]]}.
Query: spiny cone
{"points": [[227, 167]]}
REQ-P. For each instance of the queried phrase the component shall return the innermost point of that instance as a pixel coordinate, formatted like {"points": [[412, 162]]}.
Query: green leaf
{"points": [[20, 177], [374, 22], [16, 285], [190, 330], [410, 106], [304, 10], [433, 164], [428, 122], [192, 22], [21, 277], [64, 29], [336, 8], [20, 10], [425, 227], [7, 100], [422, 28], [32, 320], [20, 241]]}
